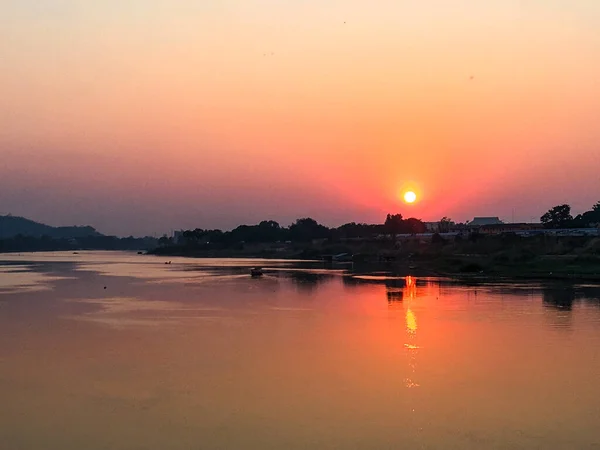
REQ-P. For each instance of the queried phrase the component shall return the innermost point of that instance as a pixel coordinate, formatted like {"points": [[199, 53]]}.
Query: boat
{"points": [[256, 272]]}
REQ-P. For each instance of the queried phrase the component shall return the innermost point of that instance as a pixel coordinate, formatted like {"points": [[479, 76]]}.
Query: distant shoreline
{"points": [[462, 267], [491, 258]]}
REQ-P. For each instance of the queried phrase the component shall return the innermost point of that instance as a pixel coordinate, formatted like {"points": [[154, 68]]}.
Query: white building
{"points": [[436, 227], [432, 227], [178, 237]]}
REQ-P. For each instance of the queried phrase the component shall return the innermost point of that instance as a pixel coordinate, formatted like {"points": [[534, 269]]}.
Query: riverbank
{"points": [[480, 256]]}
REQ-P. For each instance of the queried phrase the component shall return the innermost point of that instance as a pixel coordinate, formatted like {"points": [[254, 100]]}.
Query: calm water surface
{"points": [[120, 351]]}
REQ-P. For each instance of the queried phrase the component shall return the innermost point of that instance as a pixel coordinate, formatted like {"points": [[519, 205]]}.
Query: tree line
{"points": [[308, 229], [560, 217], [302, 230]]}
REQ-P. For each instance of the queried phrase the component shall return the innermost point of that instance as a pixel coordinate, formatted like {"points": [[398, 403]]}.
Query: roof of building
{"points": [[485, 221]]}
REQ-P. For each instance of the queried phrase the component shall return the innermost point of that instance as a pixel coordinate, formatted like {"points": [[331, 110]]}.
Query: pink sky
{"points": [[138, 117]]}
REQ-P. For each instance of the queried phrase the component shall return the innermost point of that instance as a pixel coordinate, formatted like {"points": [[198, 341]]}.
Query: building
{"points": [[432, 227], [178, 237], [573, 232], [481, 221], [439, 227], [510, 228]]}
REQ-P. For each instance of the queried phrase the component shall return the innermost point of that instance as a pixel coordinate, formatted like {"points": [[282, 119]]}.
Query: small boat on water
{"points": [[256, 272]]}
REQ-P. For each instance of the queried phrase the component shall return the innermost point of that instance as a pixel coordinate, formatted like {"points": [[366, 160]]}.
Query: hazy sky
{"points": [[140, 116]]}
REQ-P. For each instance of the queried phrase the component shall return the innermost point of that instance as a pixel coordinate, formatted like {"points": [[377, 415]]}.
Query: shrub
{"points": [[587, 259], [592, 247], [524, 255], [475, 236], [471, 268], [501, 258], [437, 239]]}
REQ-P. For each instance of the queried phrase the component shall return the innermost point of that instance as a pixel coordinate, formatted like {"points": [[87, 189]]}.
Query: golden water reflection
{"points": [[295, 362], [411, 322], [411, 346]]}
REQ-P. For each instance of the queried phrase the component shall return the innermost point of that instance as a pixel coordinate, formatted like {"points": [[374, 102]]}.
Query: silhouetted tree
{"points": [[269, 231], [306, 229], [475, 236], [190, 237], [348, 230], [165, 241], [265, 231], [357, 230], [393, 224], [589, 218], [557, 217], [413, 226], [559, 297], [444, 225], [213, 236], [437, 239], [198, 234]]}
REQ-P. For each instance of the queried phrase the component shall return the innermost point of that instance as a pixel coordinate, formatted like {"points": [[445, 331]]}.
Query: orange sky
{"points": [[144, 116]]}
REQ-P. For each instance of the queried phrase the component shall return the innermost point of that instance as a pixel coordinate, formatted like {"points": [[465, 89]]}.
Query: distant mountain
{"points": [[11, 226]]}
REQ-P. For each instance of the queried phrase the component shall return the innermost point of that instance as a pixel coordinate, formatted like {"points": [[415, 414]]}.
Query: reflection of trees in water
{"points": [[394, 283], [394, 295], [406, 287], [563, 296], [558, 303], [558, 297], [590, 294], [351, 282], [50, 268], [308, 281], [390, 280], [394, 288]]}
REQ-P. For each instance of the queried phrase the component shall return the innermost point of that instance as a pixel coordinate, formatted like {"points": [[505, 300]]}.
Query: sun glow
{"points": [[410, 197]]}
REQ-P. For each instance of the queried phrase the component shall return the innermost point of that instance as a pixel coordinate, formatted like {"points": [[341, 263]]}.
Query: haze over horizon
{"points": [[139, 117]]}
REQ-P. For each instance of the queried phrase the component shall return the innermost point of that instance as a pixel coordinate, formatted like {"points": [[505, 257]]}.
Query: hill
{"points": [[11, 226]]}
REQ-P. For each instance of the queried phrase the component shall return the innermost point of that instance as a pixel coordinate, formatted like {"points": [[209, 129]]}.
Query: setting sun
{"points": [[410, 197]]}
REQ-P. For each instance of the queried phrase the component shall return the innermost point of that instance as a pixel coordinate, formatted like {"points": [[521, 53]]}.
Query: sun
{"points": [[410, 197]]}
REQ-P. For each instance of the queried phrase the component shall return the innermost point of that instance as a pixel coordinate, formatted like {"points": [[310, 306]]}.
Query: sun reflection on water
{"points": [[411, 322], [411, 331]]}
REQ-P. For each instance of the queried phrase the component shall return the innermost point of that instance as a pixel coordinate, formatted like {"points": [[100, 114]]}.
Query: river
{"points": [[103, 350]]}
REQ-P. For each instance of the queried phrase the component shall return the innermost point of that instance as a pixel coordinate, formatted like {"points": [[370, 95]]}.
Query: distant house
{"points": [[481, 221], [510, 228], [178, 237], [572, 231], [439, 227], [432, 227]]}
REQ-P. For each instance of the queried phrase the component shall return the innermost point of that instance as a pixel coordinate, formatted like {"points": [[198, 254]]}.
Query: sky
{"points": [[144, 116]]}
